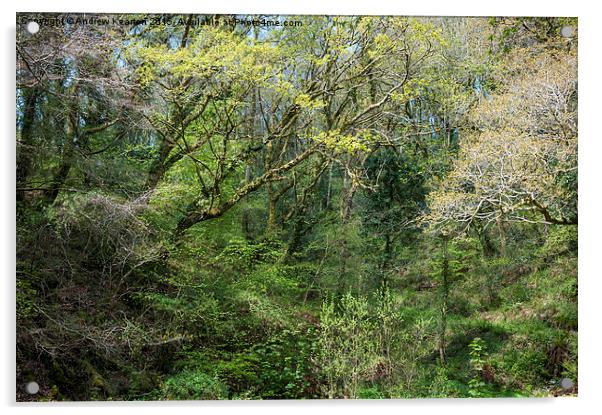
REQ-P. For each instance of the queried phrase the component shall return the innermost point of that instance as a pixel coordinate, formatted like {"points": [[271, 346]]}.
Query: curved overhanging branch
{"points": [[548, 217], [194, 215]]}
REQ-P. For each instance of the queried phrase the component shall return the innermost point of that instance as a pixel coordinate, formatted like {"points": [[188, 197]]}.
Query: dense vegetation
{"points": [[353, 207]]}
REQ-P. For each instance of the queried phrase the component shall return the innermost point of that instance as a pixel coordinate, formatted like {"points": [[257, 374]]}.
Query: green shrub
{"points": [[524, 367], [347, 349], [370, 393], [285, 369], [193, 385], [478, 352]]}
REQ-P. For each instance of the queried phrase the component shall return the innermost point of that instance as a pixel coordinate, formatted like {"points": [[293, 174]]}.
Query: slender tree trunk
{"points": [[252, 129], [329, 189], [387, 254], [246, 213], [270, 189], [502, 234], [349, 188], [488, 248], [66, 163], [444, 301], [295, 239], [24, 160]]}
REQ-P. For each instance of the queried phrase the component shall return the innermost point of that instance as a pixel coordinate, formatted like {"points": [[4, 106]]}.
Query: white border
{"points": [[590, 154]]}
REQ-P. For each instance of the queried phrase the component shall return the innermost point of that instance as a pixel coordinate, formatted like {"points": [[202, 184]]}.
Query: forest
{"points": [[340, 207]]}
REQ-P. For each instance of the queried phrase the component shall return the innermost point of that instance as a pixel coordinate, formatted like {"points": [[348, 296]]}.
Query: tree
{"points": [[521, 162], [70, 95]]}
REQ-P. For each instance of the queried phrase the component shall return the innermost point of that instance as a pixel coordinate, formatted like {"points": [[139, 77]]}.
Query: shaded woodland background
{"points": [[356, 207]]}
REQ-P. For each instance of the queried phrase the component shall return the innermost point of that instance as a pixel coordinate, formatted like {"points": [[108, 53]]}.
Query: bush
{"points": [[348, 352], [524, 367], [365, 342], [193, 385], [284, 368]]}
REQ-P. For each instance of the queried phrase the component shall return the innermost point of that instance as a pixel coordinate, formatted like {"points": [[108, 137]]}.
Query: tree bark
{"points": [[64, 168], [444, 301], [346, 206], [24, 160]]}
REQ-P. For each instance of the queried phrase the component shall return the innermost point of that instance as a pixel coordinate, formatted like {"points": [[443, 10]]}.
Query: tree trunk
{"points": [[444, 301], [24, 160], [502, 234], [62, 172], [270, 189], [329, 189], [346, 205], [159, 166], [246, 214]]}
